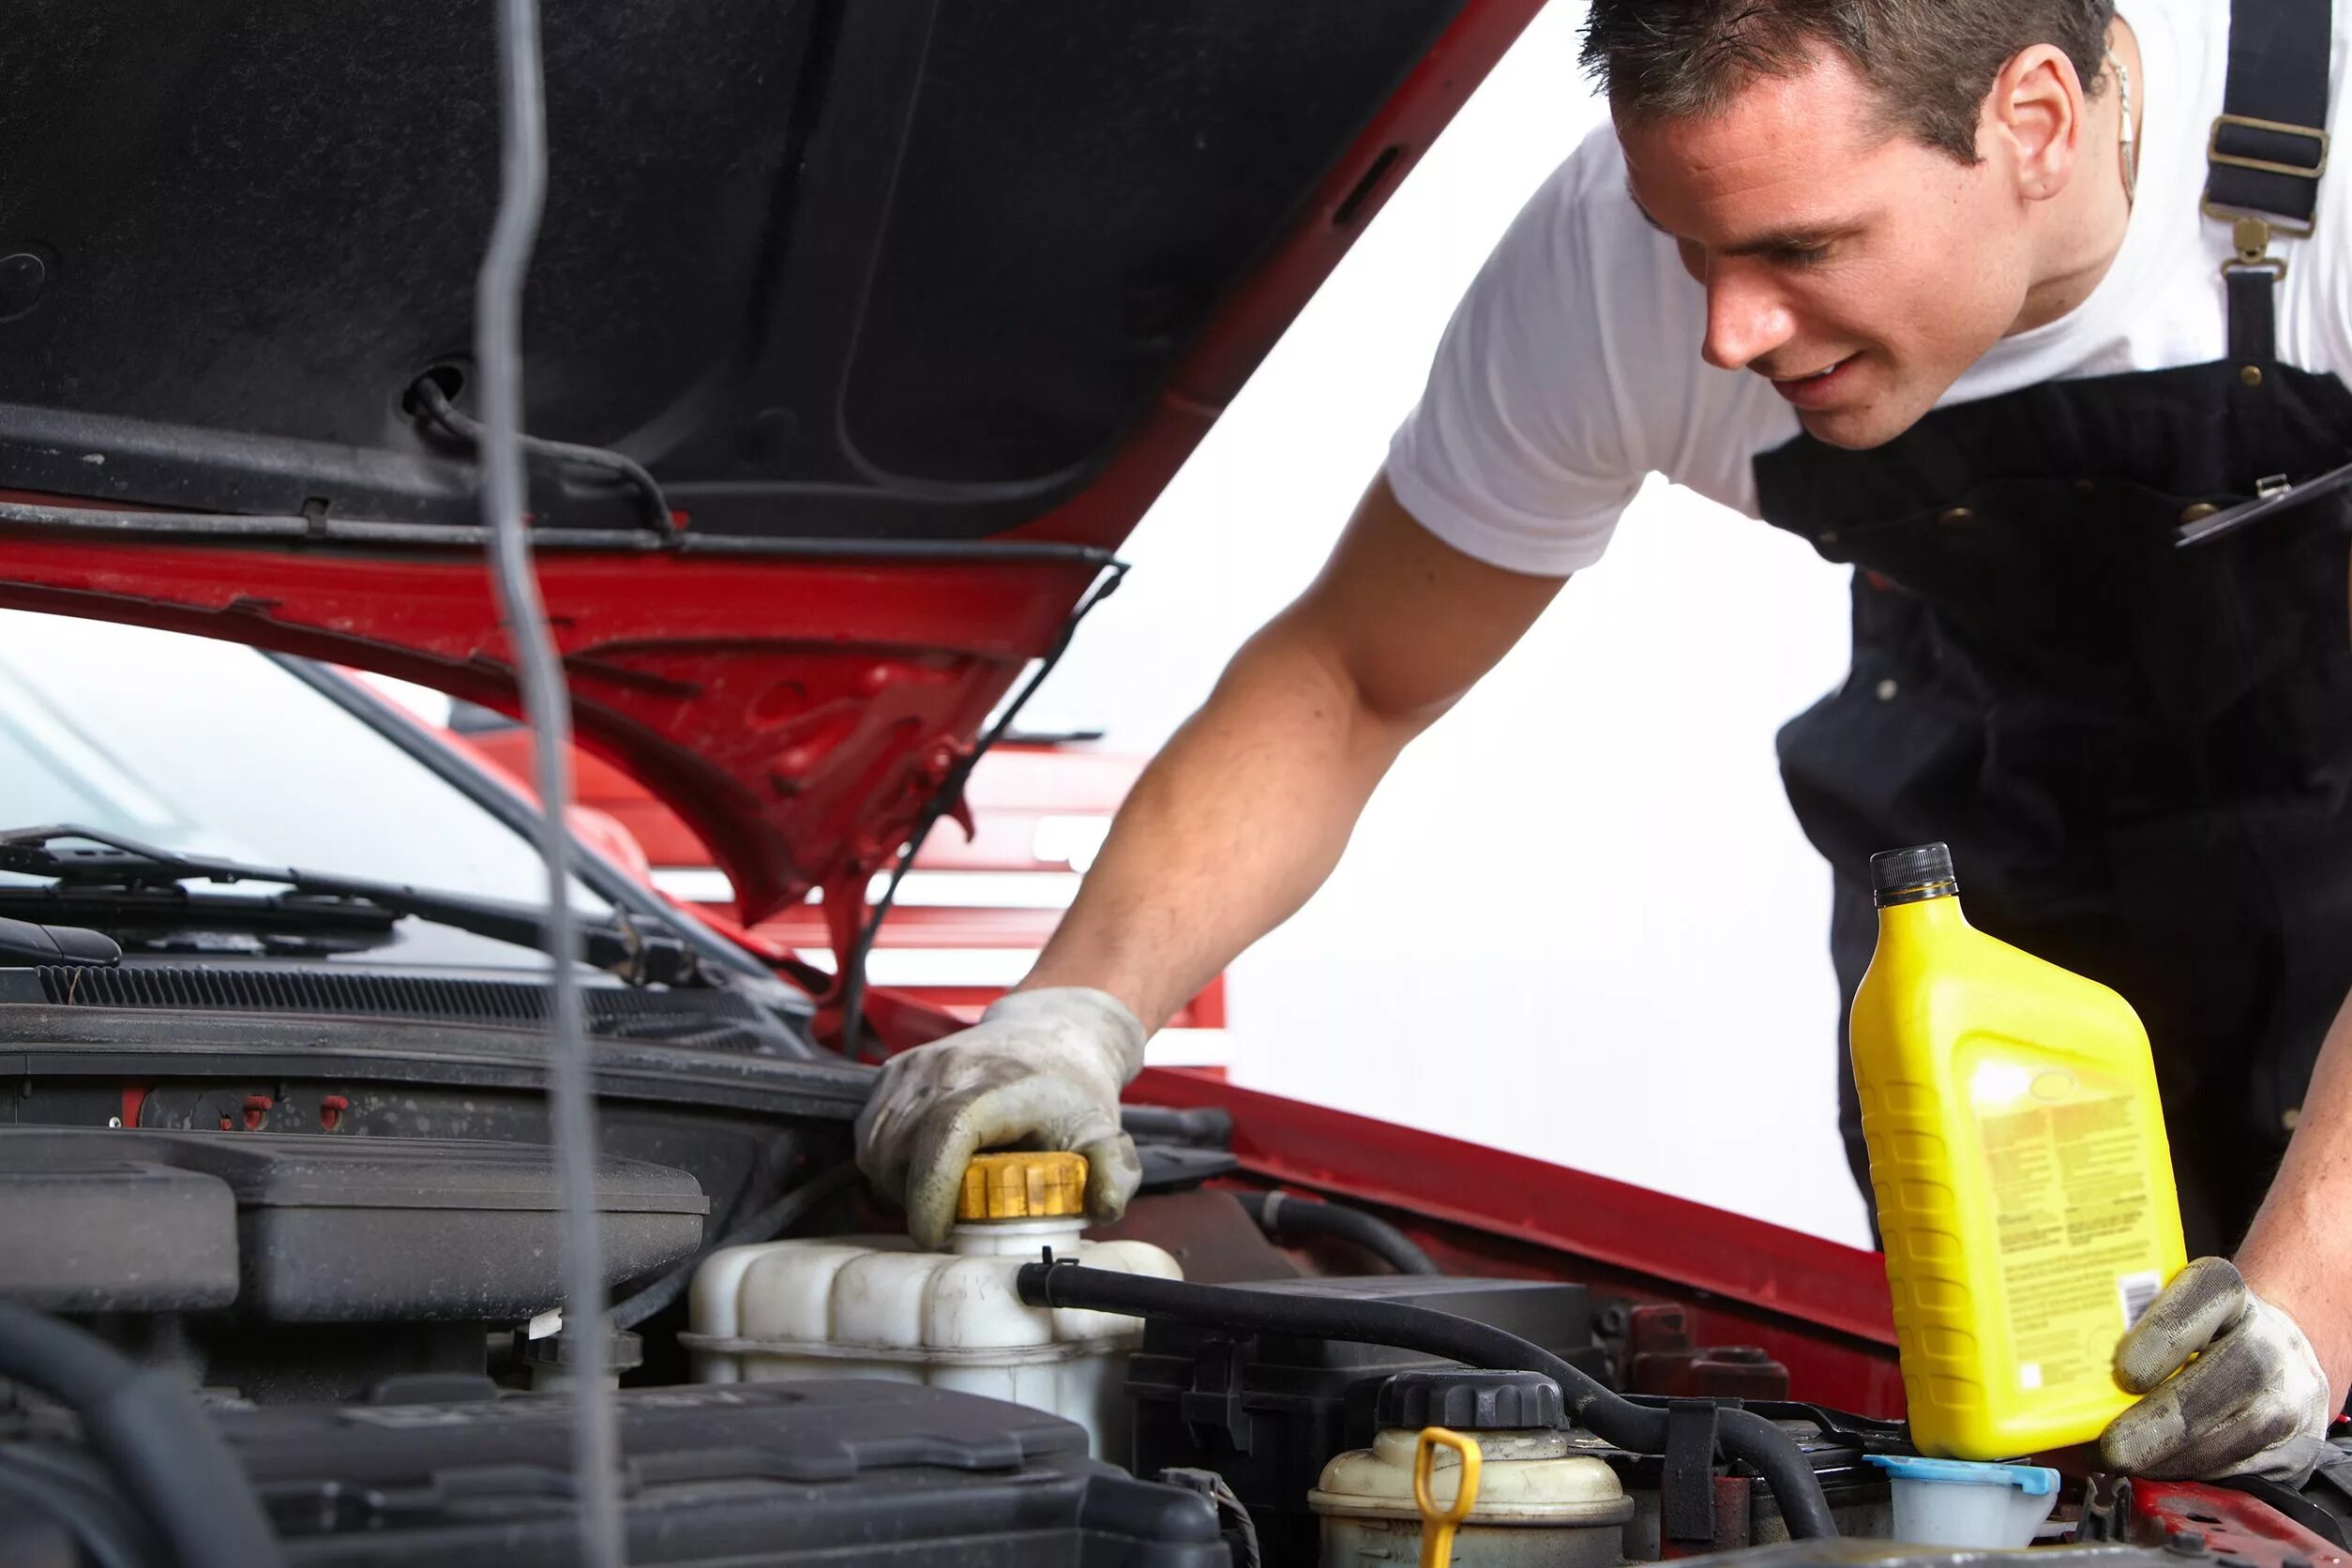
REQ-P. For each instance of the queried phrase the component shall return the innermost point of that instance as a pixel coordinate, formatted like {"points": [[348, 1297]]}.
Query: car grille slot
{"points": [[701, 1017]]}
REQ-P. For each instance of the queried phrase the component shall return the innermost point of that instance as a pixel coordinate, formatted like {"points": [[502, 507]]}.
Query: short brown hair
{"points": [[1931, 61]]}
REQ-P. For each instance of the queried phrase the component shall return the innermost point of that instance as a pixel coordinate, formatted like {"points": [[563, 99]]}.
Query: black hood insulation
{"points": [[830, 270]]}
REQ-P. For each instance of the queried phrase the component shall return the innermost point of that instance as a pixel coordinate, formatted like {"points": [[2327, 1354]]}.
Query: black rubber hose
{"points": [[627, 468], [1204, 1126], [763, 1225], [1745, 1436], [1280, 1215], [148, 1430]]}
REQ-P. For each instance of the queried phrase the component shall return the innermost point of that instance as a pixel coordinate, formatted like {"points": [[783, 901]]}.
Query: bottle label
{"points": [[2076, 1223]]}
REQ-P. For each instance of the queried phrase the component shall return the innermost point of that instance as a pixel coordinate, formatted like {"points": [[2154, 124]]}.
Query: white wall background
{"points": [[1578, 921]]}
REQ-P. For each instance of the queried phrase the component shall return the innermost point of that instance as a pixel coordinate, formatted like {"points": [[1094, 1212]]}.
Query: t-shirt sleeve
{"points": [[2328, 254], [1518, 453]]}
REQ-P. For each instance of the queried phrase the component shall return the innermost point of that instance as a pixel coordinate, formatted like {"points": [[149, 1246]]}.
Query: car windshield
{"points": [[213, 748]]}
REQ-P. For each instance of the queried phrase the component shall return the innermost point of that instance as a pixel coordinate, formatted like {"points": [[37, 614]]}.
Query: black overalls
{"points": [[2141, 754]]}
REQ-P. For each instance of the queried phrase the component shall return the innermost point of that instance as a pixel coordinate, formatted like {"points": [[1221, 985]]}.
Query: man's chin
{"points": [[1857, 429]]}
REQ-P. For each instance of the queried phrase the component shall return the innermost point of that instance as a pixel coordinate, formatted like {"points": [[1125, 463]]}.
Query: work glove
{"points": [[1041, 1070], [2229, 1386]]}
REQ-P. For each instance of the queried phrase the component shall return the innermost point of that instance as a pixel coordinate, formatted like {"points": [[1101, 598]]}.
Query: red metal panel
{"points": [[795, 713], [1608, 1222], [924, 925], [1013, 789], [2199, 1520], [1824, 1367], [665, 839]]}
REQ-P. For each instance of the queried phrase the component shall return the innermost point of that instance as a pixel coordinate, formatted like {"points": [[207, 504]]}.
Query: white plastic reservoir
{"points": [[1959, 1503], [873, 1306], [1538, 1504]]}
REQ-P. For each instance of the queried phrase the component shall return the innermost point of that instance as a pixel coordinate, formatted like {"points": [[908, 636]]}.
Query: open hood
{"points": [[911, 308]]}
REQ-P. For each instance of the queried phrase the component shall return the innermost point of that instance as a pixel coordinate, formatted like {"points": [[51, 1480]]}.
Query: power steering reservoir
{"points": [[1537, 1503], [873, 1306]]}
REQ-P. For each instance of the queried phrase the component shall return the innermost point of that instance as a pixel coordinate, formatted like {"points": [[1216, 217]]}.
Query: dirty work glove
{"points": [[1041, 1070], [2252, 1402]]}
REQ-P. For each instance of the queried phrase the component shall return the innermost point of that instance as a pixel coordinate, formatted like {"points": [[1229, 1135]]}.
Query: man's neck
{"points": [[2086, 225]]}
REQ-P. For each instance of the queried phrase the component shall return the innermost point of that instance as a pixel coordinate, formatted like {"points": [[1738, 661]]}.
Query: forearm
{"points": [[2298, 1254], [1233, 826]]}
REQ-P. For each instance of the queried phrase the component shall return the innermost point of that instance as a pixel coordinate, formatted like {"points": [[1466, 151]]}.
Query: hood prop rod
{"points": [[851, 981]]}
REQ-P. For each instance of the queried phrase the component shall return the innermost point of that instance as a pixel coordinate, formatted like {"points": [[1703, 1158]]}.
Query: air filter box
{"points": [[314, 1228]]}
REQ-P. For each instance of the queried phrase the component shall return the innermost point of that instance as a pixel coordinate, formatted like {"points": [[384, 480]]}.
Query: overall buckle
{"points": [[2213, 153], [2252, 232]]}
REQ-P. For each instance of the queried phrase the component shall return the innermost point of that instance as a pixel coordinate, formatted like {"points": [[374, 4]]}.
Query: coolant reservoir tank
{"points": [[874, 1306], [1539, 1504]]}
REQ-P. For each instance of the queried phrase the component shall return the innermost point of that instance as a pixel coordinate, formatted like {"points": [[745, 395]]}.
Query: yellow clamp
{"points": [[1437, 1526]]}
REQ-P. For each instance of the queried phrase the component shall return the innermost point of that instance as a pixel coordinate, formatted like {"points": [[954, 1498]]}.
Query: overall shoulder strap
{"points": [[2265, 155]]}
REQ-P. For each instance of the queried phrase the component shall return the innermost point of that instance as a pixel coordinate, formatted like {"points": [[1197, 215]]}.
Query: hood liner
{"points": [[851, 594]]}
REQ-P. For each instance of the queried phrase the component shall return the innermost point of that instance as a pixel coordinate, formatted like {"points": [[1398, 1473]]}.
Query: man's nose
{"points": [[1746, 318]]}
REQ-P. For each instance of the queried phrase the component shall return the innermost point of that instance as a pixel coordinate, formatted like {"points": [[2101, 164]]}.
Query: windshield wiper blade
{"points": [[173, 918], [78, 858], [32, 942]]}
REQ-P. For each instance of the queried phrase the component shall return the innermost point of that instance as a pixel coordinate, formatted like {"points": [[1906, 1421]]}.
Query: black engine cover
{"points": [[752, 1476], [311, 1229]]}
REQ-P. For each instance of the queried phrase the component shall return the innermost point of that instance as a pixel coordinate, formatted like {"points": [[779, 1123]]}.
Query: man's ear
{"points": [[2034, 121]]}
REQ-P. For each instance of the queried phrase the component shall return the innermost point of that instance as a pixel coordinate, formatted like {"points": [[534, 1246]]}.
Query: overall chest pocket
{"points": [[2076, 593]]}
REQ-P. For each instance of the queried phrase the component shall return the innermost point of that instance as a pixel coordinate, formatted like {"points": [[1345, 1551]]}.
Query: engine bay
{"points": [[343, 1244]]}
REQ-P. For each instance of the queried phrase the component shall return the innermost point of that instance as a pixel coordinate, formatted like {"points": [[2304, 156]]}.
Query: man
{"points": [[1952, 289]]}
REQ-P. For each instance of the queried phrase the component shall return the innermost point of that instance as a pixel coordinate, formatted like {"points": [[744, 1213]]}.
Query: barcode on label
{"points": [[2139, 1292]]}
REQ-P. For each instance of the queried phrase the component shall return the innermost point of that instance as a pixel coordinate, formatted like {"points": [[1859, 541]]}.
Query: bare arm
{"points": [[2240, 1369], [2297, 1253], [1245, 811]]}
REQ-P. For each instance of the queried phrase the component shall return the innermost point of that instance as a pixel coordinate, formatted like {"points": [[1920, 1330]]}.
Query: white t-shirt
{"points": [[1571, 370]]}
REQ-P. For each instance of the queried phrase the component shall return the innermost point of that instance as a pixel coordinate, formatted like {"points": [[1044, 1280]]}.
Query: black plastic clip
{"points": [[1213, 1403], [1686, 1486]]}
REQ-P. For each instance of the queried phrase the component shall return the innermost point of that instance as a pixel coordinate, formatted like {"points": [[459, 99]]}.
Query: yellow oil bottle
{"points": [[2025, 1187]]}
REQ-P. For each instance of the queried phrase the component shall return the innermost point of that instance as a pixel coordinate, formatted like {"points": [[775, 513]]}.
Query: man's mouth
{"points": [[1814, 388]]}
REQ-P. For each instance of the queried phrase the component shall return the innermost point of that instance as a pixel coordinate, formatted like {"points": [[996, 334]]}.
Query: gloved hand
{"points": [[2252, 1402], [1041, 1070]]}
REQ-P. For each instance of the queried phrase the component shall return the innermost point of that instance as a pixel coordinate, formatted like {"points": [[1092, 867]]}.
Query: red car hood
{"points": [[913, 310]]}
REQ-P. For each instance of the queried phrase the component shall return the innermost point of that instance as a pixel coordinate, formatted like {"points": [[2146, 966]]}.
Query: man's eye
{"points": [[1802, 255]]}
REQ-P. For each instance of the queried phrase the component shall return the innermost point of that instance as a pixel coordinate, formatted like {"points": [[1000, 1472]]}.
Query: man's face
{"points": [[1828, 244]]}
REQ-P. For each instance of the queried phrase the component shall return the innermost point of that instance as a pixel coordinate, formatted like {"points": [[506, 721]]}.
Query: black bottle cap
{"points": [[1469, 1400], [1907, 876]]}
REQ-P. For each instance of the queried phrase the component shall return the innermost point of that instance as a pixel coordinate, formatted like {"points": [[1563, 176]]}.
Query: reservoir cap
{"points": [[1907, 876], [1041, 1184], [1469, 1399], [2035, 1481]]}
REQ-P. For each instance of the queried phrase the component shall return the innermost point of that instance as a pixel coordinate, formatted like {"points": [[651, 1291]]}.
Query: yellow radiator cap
{"points": [[1040, 1185]]}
